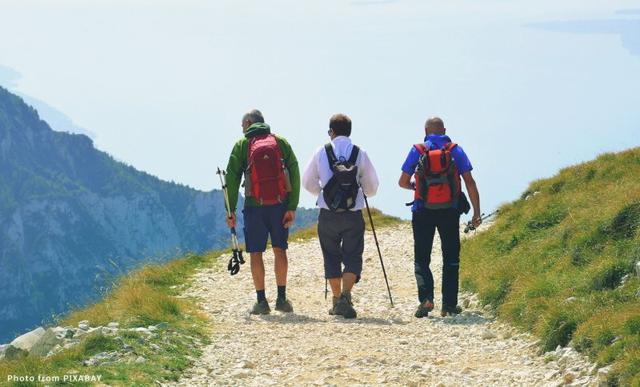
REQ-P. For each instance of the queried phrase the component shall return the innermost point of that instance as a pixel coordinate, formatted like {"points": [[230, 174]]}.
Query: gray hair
{"points": [[253, 116]]}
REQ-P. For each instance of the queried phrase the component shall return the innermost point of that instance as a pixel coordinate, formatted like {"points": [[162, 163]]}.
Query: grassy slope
{"points": [[145, 297], [142, 298], [578, 237]]}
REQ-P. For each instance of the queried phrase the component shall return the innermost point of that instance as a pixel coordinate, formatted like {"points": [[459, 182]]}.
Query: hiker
{"points": [[437, 165], [272, 189], [340, 174]]}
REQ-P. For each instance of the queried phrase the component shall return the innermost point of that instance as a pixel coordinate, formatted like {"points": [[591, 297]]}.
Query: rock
{"points": [[84, 325], [113, 325], [13, 353], [142, 330], [466, 303], [246, 364], [152, 328], [487, 335], [570, 300], [141, 360], [46, 343], [109, 331], [551, 374], [3, 348], [162, 325], [28, 340], [240, 373], [603, 376], [638, 269]]}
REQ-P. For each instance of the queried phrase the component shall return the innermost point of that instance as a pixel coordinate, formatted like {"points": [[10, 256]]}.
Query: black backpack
{"points": [[341, 190]]}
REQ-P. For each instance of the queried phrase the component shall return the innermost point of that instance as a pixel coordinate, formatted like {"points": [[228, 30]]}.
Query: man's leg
{"points": [[330, 242], [423, 233], [449, 230], [255, 235], [280, 242], [257, 271], [352, 248], [336, 286], [281, 266]]}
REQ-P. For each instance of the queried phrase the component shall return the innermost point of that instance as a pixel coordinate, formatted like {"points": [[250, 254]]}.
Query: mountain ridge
{"points": [[72, 218]]}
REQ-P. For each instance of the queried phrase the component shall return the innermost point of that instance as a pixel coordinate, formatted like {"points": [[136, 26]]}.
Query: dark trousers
{"points": [[341, 237], [425, 222]]}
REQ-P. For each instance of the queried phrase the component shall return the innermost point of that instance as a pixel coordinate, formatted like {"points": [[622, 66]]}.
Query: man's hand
{"points": [[476, 220], [231, 222], [288, 218]]}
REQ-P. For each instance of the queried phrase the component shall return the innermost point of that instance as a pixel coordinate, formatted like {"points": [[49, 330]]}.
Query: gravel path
{"points": [[383, 345]]}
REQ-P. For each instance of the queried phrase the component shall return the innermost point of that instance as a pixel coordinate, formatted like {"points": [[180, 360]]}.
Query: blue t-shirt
{"points": [[436, 141]]}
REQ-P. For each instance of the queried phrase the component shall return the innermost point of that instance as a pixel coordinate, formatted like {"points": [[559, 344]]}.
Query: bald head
{"points": [[434, 125]]}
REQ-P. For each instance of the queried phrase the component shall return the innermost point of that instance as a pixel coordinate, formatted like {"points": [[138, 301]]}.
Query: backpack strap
{"points": [[449, 146], [354, 155], [422, 148], [331, 156]]}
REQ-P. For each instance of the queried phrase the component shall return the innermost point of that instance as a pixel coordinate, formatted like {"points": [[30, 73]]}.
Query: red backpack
{"points": [[266, 176], [437, 177]]}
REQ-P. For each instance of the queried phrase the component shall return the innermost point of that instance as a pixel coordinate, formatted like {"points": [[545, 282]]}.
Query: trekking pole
{"points": [[375, 237], [483, 217], [237, 259]]}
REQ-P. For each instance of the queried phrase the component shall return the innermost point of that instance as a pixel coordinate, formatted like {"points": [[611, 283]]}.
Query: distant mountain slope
{"points": [[72, 218], [563, 261]]}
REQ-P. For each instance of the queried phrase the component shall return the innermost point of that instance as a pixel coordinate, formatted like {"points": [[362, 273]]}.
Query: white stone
{"points": [[28, 340], [487, 335]]}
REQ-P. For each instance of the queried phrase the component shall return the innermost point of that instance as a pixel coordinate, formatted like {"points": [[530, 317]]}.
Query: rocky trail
{"points": [[383, 345]]}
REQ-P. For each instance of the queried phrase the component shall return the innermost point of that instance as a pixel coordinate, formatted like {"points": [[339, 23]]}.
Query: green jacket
{"points": [[238, 164]]}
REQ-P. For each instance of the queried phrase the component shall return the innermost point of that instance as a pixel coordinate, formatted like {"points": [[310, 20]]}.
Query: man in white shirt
{"points": [[340, 174]]}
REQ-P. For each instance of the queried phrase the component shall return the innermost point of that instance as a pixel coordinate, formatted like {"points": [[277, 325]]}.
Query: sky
{"points": [[525, 87]]}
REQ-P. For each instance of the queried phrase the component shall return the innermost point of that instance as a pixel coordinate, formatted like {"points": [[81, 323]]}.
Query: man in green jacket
{"points": [[270, 203]]}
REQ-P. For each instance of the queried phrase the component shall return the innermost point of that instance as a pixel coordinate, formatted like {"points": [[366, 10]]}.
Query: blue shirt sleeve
{"points": [[462, 161], [411, 162]]}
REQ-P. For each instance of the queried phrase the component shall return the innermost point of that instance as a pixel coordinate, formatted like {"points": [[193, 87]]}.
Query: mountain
{"points": [[72, 219]]}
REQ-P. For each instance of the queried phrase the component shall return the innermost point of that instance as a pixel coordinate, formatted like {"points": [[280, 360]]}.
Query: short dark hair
{"points": [[340, 124]]}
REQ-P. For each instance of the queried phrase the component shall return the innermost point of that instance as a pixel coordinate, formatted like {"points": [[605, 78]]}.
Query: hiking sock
{"points": [[282, 292], [261, 295]]}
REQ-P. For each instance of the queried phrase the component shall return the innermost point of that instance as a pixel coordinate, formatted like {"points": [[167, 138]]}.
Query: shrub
{"points": [[625, 223]]}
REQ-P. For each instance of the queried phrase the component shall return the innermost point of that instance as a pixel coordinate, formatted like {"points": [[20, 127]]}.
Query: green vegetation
{"points": [[142, 298], [559, 262], [380, 220]]}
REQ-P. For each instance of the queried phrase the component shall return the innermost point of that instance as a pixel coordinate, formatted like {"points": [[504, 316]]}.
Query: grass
{"points": [[144, 297], [560, 263]]}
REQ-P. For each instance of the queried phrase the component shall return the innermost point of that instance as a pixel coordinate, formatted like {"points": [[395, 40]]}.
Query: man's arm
{"points": [[474, 196], [233, 178], [405, 181], [291, 162], [368, 176], [311, 176]]}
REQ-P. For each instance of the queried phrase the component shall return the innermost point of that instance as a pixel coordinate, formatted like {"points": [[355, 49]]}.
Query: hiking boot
{"points": [[261, 307], [424, 309], [283, 305], [333, 311], [344, 307], [450, 310]]}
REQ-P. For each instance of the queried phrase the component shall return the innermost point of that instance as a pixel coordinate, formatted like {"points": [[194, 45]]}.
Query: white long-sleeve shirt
{"points": [[317, 173]]}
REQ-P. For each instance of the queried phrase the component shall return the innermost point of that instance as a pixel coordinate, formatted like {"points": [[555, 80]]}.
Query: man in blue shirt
{"points": [[425, 221]]}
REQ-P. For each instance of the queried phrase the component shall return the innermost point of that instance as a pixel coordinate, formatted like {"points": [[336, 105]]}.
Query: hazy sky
{"points": [[526, 87]]}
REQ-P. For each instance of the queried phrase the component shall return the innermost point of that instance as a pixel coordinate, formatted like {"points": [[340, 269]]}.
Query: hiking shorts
{"points": [[263, 222], [341, 237]]}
